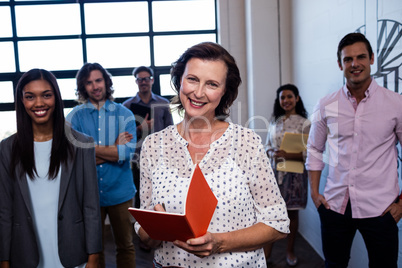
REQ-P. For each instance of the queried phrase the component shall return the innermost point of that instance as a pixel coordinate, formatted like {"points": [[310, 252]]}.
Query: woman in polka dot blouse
{"points": [[251, 211]]}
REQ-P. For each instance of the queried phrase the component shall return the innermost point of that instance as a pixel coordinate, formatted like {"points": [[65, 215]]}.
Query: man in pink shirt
{"points": [[360, 124]]}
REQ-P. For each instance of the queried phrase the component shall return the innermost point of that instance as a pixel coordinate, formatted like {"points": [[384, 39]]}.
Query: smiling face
{"points": [[355, 64], [287, 101], [95, 87], [202, 87], [39, 102]]}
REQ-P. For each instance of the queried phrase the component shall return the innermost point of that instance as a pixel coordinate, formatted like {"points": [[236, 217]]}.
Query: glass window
{"points": [[7, 92], [168, 48], [119, 52], [29, 0], [166, 87], [67, 111], [124, 86], [177, 118], [116, 17], [170, 15], [7, 62], [67, 88], [51, 54], [61, 35], [5, 22], [49, 20], [8, 119]]}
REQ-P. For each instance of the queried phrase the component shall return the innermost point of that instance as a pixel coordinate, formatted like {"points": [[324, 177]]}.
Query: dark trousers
{"points": [[136, 177], [123, 231], [380, 235]]}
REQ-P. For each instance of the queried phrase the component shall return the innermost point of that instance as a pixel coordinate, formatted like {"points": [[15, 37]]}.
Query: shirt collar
{"points": [[138, 99], [106, 106], [369, 92]]}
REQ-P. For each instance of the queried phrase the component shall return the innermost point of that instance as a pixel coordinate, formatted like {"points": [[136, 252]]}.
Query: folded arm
{"points": [[110, 153]]}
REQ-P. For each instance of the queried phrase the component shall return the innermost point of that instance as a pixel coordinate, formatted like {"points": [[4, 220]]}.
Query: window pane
{"points": [[169, 48], [124, 86], [171, 15], [48, 20], [6, 89], [51, 55], [8, 122], [67, 88], [116, 17], [67, 111], [5, 22], [7, 62], [166, 87], [29, 0], [119, 52], [177, 118]]}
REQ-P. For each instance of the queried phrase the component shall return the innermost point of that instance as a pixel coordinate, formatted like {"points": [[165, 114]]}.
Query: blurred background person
{"points": [[161, 116], [112, 126], [289, 115]]}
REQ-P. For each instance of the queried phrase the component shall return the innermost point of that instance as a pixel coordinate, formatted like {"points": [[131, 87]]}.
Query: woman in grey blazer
{"points": [[49, 201]]}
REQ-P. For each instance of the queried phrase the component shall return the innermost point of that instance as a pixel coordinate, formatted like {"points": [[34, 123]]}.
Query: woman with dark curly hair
{"points": [[289, 115]]}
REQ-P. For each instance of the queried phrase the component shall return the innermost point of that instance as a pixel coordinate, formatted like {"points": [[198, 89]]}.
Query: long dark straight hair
{"points": [[23, 147], [278, 111]]}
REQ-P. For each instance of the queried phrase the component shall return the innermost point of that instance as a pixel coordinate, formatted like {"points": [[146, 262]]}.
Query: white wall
{"points": [[232, 30], [296, 41], [250, 30]]}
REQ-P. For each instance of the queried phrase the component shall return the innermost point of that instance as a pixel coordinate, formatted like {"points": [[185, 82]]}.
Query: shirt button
{"points": [[100, 142], [355, 134]]}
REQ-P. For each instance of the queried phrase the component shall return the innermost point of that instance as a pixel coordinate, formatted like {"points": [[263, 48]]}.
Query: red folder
{"points": [[199, 208]]}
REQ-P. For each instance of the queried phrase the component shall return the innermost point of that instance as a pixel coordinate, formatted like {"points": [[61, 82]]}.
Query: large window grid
{"points": [[154, 42]]}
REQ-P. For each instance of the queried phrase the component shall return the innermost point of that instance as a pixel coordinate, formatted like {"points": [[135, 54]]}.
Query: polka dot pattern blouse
{"points": [[237, 170]]}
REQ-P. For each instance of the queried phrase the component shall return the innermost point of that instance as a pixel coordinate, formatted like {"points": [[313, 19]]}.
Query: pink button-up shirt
{"points": [[360, 143]]}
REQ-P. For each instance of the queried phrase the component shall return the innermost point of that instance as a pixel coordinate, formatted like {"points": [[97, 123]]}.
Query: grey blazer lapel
{"points": [[23, 184], [66, 169]]}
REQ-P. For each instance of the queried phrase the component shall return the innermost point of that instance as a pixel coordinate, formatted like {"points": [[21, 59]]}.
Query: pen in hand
{"points": [[163, 205]]}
